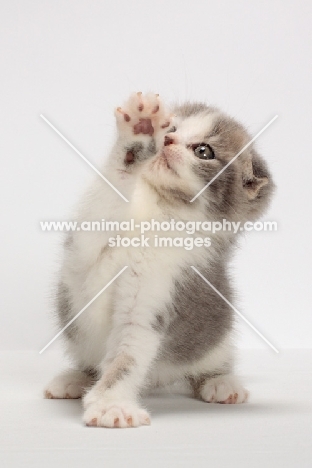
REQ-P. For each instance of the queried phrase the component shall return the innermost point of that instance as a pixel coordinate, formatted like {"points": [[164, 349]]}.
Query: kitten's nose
{"points": [[168, 140]]}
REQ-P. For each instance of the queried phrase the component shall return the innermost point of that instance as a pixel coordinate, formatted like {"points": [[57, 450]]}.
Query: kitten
{"points": [[158, 322]]}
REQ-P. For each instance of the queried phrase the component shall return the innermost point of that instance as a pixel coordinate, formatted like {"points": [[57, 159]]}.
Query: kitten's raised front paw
{"points": [[108, 413], [70, 384], [223, 389], [143, 115]]}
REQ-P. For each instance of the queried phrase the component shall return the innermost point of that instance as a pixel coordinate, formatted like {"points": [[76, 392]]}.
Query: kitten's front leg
{"points": [[113, 401]]}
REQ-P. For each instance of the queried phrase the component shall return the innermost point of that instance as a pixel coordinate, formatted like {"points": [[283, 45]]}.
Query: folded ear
{"points": [[252, 183]]}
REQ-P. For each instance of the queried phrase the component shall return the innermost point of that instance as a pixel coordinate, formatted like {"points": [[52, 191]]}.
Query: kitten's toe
{"points": [[70, 384], [140, 103], [223, 389], [123, 114]]}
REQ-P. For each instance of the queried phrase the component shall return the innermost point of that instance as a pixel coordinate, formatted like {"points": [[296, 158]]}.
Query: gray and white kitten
{"points": [[158, 322]]}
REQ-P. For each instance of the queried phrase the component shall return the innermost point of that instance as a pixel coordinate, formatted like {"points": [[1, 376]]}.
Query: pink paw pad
{"points": [[144, 126]]}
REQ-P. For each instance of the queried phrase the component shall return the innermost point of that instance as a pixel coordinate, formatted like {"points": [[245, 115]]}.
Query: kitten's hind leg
{"points": [[70, 384], [219, 389]]}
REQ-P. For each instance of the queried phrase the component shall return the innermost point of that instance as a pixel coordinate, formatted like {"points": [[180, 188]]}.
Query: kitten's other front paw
{"points": [[143, 115], [223, 389], [109, 413]]}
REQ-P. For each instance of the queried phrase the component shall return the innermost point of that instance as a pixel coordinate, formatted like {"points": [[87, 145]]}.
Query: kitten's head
{"points": [[201, 143]]}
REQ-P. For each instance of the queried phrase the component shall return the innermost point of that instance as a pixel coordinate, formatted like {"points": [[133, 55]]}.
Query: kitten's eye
{"points": [[203, 151]]}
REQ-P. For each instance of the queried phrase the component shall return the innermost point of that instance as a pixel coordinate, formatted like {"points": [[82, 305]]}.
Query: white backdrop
{"points": [[74, 61]]}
